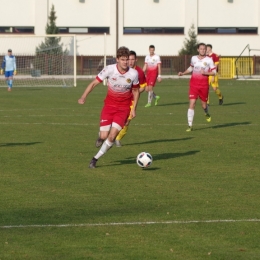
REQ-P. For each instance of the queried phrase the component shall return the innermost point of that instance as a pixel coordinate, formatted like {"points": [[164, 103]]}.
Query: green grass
{"points": [[212, 173]]}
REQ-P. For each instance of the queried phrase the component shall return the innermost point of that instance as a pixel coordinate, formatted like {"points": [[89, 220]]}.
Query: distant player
{"points": [[123, 87], [142, 82], [213, 80], [9, 66], [152, 68], [201, 67]]}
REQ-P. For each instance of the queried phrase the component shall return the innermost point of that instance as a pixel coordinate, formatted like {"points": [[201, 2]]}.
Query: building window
{"points": [[153, 30], [17, 29], [84, 30], [227, 30]]}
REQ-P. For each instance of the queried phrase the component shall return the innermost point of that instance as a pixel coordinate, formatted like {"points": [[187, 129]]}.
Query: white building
{"points": [[229, 25]]}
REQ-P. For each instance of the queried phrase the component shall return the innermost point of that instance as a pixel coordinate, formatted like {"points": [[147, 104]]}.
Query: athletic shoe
{"points": [[156, 100], [148, 105], [189, 129], [118, 144], [208, 117], [220, 102], [92, 163], [99, 142]]}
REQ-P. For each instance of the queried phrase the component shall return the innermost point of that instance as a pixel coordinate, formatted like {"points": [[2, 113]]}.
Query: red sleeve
{"points": [[136, 86], [215, 58], [141, 77], [100, 80]]}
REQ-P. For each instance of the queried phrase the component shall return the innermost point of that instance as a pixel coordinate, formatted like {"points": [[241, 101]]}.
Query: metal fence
{"points": [[229, 67]]}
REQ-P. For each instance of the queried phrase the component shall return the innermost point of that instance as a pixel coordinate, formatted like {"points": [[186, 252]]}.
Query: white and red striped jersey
{"points": [[119, 85], [197, 78]]}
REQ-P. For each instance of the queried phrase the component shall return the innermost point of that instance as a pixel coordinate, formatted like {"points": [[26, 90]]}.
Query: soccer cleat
{"points": [[220, 102], [92, 163], [208, 117], [148, 105], [156, 100], [189, 129], [118, 144], [99, 142]]}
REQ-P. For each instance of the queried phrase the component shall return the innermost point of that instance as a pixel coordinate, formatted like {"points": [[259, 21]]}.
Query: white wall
{"points": [[165, 13], [141, 13], [73, 13], [221, 13], [17, 13]]}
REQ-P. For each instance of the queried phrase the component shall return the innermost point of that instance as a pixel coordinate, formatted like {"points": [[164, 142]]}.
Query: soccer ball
{"points": [[144, 159]]}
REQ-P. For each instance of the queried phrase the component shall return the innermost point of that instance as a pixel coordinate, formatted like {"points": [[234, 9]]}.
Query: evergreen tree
{"points": [[190, 45], [50, 49], [51, 45]]}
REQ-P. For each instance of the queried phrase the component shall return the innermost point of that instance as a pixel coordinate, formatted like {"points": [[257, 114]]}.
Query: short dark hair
{"points": [[122, 52], [201, 44], [151, 46], [9, 50], [132, 53], [209, 45]]}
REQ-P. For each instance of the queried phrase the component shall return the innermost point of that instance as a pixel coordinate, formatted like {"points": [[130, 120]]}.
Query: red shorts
{"points": [[151, 80], [111, 114], [199, 91]]}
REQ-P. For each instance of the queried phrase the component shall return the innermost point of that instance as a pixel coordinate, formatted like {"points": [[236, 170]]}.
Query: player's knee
{"points": [[103, 135]]}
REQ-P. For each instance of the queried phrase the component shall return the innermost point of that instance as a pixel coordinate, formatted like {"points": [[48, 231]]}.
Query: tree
{"points": [[190, 45], [50, 49]]}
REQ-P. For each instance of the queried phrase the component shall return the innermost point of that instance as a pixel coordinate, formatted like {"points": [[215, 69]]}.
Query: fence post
{"points": [[81, 64]]}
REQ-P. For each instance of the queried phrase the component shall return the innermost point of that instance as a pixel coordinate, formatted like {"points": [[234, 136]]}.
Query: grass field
{"points": [[200, 199]]}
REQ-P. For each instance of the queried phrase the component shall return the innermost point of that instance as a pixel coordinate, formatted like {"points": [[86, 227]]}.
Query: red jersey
{"points": [[214, 57], [141, 77], [119, 85]]}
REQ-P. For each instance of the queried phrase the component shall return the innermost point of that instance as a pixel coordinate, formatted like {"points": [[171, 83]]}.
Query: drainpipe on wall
{"points": [[116, 25]]}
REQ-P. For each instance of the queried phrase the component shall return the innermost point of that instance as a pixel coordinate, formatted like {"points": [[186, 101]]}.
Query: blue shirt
{"points": [[9, 63]]}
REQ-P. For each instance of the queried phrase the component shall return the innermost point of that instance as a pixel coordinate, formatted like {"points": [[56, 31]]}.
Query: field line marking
{"points": [[132, 223]]}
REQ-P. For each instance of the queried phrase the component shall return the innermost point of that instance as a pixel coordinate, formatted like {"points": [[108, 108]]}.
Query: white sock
{"points": [[190, 116], [150, 96], [104, 148]]}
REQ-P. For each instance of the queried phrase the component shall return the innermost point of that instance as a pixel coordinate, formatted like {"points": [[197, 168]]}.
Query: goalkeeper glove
{"points": [[2, 72], [15, 72]]}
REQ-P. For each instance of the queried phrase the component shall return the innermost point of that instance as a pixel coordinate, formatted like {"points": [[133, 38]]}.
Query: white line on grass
{"points": [[133, 223]]}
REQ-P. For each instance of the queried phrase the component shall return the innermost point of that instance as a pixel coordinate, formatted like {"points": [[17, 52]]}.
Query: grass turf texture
{"points": [[212, 173]]}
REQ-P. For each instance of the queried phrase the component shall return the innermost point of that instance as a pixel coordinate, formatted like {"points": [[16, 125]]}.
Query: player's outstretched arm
{"points": [[89, 88], [187, 71], [136, 96], [145, 67]]}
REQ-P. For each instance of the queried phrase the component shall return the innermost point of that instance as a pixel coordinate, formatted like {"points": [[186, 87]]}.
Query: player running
{"points": [[142, 82], [201, 67], [152, 67], [9, 66], [213, 80], [123, 87]]}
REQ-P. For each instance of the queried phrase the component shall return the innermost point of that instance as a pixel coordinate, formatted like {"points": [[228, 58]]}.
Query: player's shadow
{"points": [[156, 157], [18, 144], [228, 104], [225, 125], [32, 89], [173, 104], [160, 141]]}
